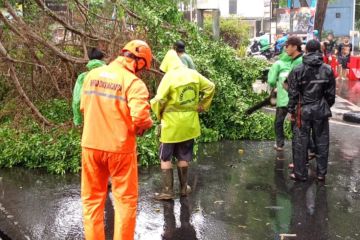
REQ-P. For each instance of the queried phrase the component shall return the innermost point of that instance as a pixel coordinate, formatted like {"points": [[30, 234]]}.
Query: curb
{"points": [[338, 111], [343, 107]]}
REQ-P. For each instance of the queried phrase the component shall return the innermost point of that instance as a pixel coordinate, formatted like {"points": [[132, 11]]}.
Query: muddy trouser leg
{"points": [[281, 113], [300, 145], [321, 133]]}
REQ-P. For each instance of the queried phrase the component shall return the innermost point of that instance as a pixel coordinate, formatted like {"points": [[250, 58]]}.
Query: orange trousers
{"points": [[97, 166]]}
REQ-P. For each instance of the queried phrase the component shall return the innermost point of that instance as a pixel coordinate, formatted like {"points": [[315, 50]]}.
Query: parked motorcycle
{"points": [[256, 50]]}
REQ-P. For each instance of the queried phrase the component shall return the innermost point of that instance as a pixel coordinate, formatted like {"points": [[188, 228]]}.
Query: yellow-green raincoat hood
{"points": [[178, 98], [171, 61]]}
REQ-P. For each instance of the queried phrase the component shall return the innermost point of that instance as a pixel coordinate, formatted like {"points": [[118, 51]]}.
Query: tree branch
{"points": [[96, 15], [132, 14], [26, 42], [20, 90], [42, 41], [55, 17]]}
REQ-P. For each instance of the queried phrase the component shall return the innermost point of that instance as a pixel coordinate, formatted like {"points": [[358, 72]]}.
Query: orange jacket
{"points": [[115, 105]]}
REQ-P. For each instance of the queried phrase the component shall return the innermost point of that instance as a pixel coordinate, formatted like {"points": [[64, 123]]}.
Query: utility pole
{"points": [[216, 24], [191, 10]]}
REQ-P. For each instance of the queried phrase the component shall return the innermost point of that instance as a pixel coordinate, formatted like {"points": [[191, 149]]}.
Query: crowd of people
{"points": [[114, 104], [306, 90], [336, 55]]}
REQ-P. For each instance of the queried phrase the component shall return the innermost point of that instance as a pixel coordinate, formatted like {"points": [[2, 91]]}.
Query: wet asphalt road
{"points": [[241, 191]]}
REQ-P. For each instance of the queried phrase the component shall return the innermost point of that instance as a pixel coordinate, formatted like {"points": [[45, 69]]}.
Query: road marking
{"points": [[344, 124], [338, 122]]}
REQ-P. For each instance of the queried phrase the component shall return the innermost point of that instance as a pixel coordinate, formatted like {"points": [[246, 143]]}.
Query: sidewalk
{"points": [[341, 107], [338, 110]]}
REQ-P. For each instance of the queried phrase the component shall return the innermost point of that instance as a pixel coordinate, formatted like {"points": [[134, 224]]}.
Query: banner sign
{"points": [[282, 20], [310, 32], [301, 19]]}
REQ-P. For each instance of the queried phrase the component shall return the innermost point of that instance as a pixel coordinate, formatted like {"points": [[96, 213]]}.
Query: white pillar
{"points": [[353, 26]]}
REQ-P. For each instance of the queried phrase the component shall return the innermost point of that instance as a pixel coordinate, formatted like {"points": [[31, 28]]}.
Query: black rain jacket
{"points": [[312, 83]]}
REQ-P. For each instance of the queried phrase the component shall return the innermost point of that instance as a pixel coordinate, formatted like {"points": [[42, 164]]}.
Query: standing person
{"points": [[329, 47], [95, 57], [343, 54], [179, 47], [181, 95], [116, 109], [277, 75], [264, 41], [311, 94]]}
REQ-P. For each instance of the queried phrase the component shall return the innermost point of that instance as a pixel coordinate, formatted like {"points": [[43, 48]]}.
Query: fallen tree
{"points": [[45, 50]]}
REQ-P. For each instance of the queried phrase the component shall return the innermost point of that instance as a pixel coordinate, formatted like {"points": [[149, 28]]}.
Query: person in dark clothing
{"points": [[329, 47], [330, 44], [276, 78], [311, 94], [343, 53]]}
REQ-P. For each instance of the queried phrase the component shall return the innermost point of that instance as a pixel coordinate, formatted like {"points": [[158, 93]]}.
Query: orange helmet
{"points": [[141, 51]]}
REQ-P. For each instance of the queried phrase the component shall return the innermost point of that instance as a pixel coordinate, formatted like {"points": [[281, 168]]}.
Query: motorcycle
{"points": [[256, 50]]}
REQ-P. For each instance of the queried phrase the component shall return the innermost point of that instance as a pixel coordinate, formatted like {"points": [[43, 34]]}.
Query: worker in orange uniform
{"points": [[116, 109]]}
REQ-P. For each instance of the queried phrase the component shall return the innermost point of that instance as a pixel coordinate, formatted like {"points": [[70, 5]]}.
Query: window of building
{"points": [[338, 15], [232, 6]]}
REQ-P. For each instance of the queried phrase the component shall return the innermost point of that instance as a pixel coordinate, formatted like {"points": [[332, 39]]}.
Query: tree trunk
{"points": [[304, 3], [320, 15]]}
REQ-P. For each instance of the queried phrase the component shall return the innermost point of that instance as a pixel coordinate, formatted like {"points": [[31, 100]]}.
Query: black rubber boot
{"points": [[167, 192], [185, 189]]}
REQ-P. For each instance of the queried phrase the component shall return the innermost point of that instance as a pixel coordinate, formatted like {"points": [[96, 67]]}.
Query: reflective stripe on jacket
{"points": [[115, 104], [92, 64]]}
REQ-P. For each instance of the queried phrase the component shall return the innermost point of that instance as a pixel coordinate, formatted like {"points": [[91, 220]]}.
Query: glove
{"points": [[140, 132]]}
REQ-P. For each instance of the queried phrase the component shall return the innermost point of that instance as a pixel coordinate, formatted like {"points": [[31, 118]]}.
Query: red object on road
{"points": [[354, 68], [334, 63], [325, 59]]}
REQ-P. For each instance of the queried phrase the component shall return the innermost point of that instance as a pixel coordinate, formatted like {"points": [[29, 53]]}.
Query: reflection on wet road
{"points": [[241, 191]]}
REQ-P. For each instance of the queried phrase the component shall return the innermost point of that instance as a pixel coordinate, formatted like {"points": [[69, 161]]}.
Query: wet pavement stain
{"points": [[236, 195]]}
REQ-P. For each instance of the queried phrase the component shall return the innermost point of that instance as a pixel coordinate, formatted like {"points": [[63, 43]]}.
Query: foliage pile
{"points": [[57, 148]]}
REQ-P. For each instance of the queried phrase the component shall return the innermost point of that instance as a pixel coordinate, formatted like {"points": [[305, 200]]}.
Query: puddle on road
{"points": [[236, 195]]}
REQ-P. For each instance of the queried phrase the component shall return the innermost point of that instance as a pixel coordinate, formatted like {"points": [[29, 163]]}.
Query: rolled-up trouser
{"points": [[301, 138], [280, 116], [97, 166]]}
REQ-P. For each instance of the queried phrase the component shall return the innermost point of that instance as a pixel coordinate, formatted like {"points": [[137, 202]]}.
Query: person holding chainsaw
{"points": [[278, 73], [311, 94]]}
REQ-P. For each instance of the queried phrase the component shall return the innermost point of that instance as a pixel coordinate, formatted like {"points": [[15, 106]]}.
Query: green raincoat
{"points": [[181, 92], [187, 61], [264, 42], [278, 73], [78, 88]]}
